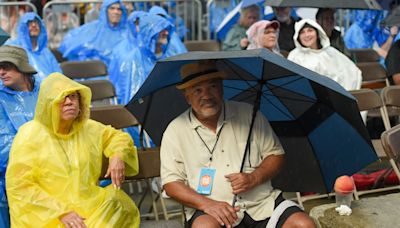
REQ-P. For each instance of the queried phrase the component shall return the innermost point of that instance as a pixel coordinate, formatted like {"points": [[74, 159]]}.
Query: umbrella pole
{"points": [[256, 107], [144, 122]]}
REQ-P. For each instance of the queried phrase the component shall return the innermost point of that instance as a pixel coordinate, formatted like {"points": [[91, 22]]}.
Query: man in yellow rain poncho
{"points": [[55, 163]]}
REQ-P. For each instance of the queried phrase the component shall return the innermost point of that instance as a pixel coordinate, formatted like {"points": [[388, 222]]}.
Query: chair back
{"points": [[367, 99], [84, 69], [101, 89], [204, 45], [391, 102], [115, 115], [373, 75], [391, 142], [364, 55]]}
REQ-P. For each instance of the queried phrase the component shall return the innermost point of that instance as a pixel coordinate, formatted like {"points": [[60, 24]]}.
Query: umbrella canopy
{"points": [[339, 4], [393, 19], [3, 36], [316, 120]]}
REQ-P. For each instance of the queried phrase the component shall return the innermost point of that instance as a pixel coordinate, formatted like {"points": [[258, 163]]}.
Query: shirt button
{"points": [[222, 151], [227, 165]]}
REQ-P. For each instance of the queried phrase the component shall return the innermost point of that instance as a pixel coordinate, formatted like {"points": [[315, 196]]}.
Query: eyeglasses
{"points": [[73, 96], [7, 66]]}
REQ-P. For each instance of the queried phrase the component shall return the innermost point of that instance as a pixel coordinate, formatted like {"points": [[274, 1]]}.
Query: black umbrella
{"points": [[393, 19], [316, 120], [3, 36]]}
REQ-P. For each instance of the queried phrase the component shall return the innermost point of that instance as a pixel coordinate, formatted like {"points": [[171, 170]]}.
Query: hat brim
{"points": [[201, 78], [21, 66]]}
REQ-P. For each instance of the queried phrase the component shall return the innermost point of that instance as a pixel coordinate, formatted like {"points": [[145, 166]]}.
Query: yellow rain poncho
{"points": [[50, 174]]}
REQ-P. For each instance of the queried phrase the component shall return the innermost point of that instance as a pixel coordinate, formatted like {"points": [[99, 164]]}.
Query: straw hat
{"points": [[18, 57], [193, 73]]}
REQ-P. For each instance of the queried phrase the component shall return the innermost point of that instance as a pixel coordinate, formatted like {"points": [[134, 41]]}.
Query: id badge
{"points": [[206, 181]]}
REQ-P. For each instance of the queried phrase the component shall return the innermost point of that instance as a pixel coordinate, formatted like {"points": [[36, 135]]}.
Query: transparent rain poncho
{"points": [[41, 58], [127, 70], [50, 174], [96, 39], [16, 108]]}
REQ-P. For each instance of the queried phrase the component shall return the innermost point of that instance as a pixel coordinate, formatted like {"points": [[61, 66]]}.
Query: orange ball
{"points": [[344, 185]]}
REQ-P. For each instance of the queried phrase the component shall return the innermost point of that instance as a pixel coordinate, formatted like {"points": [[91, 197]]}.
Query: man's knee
{"points": [[299, 220], [205, 221]]}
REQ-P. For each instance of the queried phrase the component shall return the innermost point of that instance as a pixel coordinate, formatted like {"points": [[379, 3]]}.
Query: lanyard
{"points": [[211, 151]]}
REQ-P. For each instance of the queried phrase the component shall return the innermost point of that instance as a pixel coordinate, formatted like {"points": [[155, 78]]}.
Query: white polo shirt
{"points": [[184, 153]]}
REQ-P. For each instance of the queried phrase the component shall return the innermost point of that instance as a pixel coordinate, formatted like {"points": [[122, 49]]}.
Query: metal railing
{"points": [[9, 14], [189, 10]]}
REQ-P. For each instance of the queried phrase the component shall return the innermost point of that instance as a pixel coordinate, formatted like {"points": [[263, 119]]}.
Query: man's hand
{"points": [[244, 43], [116, 169], [224, 213], [242, 182], [73, 220]]}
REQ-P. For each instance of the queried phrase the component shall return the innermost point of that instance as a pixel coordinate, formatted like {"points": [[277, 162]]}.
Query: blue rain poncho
{"points": [[96, 39], [363, 32], [150, 26], [127, 71], [42, 59], [180, 28], [16, 108], [50, 174], [175, 41]]}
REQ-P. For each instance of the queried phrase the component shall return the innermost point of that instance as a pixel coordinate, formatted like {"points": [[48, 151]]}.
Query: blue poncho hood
{"points": [[95, 40], [42, 59]]}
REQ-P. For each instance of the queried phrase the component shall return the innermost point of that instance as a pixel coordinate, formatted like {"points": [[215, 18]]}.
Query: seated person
{"points": [[236, 39], [313, 51], [56, 161], [32, 36], [286, 29], [197, 152], [97, 39], [392, 62], [325, 17], [264, 34], [18, 95]]}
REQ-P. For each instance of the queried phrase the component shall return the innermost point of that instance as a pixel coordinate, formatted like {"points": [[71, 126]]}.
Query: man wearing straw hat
{"points": [[201, 155]]}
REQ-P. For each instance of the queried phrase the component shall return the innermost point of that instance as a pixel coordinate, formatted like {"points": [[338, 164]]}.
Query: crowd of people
{"points": [[51, 153]]}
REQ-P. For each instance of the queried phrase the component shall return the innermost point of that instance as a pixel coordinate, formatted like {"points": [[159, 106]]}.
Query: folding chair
{"points": [[391, 100], [103, 92], [362, 55], [367, 100], [391, 143], [58, 55], [84, 69], [373, 75], [149, 159], [204, 45]]}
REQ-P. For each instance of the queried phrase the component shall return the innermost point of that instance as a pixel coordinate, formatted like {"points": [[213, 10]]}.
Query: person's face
{"points": [[205, 98], [327, 22], [11, 77], [163, 37], [34, 28], [249, 17], [69, 107], [282, 13], [268, 39], [114, 13], [308, 37]]}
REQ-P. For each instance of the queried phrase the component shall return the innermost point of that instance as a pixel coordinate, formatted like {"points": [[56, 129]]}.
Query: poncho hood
{"points": [[103, 18], [52, 92], [324, 39], [23, 32]]}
